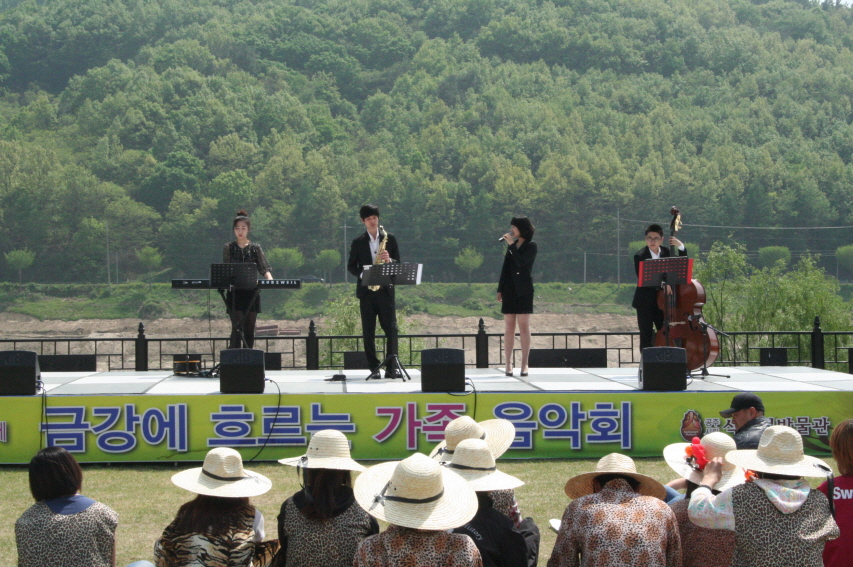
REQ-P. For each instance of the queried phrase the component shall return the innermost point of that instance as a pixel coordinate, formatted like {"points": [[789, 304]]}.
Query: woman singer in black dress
{"points": [[515, 289], [243, 251]]}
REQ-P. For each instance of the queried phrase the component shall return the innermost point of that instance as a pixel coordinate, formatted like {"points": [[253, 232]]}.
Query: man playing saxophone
{"points": [[375, 246]]}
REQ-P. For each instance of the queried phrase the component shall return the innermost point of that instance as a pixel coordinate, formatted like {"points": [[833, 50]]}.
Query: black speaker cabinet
{"points": [[568, 358], [19, 371], [443, 370], [356, 360], [241, 371], [68, 362], [663, 369], [775, 356]]}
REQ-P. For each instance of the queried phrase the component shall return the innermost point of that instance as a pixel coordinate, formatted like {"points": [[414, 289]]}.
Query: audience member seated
{"points": [[219, 528], [498, 434], [322, 524], [838, 552], [703, 547], [777, 519], [422, 501], [747, 413], [501, 544], [617, 517], [63, 528]]}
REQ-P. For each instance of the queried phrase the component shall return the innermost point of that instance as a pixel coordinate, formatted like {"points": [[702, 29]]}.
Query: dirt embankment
{"points": [[17, 326]]}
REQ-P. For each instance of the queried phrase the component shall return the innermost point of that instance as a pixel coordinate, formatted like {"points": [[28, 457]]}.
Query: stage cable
{"points": [[275, 420], [473, 391]]}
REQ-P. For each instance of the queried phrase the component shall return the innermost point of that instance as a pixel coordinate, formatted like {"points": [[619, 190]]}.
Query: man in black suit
{"points": [[645, 298], [379, 303]]}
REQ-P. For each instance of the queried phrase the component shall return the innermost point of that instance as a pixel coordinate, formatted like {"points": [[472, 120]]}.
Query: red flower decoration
{"points": [[698, 451]]}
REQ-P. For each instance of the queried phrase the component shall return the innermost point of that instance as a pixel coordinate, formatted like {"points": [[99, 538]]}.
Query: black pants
{"points": [[649, 321], [248, 328], [379, 304]]}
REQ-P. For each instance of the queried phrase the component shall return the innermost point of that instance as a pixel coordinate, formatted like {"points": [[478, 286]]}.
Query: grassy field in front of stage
{"points": [[147, 501]]}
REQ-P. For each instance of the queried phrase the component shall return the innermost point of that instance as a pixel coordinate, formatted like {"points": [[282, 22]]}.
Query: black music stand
{"points": [[231, 277], [395, 273], [663, 273]]}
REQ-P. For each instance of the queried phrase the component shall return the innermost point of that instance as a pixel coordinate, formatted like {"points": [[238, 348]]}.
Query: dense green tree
{"points": [[19, 260]]}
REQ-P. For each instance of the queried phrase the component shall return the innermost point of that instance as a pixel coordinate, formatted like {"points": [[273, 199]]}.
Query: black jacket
{"points": [[748, 436], [499, 542], [647, 296], [360, 256], [518, 264]]}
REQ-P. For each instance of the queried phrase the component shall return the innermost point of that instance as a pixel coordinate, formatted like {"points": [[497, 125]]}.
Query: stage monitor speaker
{"points": [[568, 358], [241, 371], [19, 372], [773, 356], [272, 361], [663, 369], [356, 360], [68, 362], [186, 363], [443, 370]]}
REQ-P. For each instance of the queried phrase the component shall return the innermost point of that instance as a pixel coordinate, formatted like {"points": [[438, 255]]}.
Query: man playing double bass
{"points": [[649, 315]]}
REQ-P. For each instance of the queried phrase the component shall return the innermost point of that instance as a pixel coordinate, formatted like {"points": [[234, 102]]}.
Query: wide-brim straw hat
{"points": [[780, 451], [417, 493], [497, 433], [328, 449], [473, 461], [614, 463], [716, 444], [222, 474]]}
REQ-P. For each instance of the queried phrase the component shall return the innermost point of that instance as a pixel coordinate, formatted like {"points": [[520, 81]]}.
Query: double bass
{"points": [[684, 325]]}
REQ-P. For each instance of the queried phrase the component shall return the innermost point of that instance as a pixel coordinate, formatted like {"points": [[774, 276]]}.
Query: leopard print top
{"points": [[702, 547], [768, 538], [236, 548], [330, 543], [84, 539], [616, 527], [406, 547]]}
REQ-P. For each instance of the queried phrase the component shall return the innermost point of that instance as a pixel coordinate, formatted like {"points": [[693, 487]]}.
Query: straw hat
{"points": [[716, 444], [222, 475], [417, 493], [328, 449], [614, 463], [498, 433], [473, 461], [780, 451]]}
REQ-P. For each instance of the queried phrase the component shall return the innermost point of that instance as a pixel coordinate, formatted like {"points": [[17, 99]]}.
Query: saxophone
{"points": [[379, 252]]}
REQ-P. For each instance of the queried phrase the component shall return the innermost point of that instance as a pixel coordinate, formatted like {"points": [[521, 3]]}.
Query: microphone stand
{"points": [[705, 326]]}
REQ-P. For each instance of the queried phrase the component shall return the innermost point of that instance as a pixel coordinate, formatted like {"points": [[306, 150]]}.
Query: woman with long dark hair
{"points": [[219, 528], [322, 524], [63, 528], [242, 251], [515, 289]]}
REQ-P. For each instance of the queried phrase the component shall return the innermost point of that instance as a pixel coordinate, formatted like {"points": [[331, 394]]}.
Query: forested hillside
{"points": [[143, 125]]}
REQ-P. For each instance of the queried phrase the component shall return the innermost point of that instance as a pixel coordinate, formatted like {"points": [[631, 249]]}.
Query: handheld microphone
{"points": [[501, 239]]}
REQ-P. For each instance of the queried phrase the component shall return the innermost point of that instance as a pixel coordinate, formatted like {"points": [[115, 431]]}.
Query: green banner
{"points": [[387, 426]]}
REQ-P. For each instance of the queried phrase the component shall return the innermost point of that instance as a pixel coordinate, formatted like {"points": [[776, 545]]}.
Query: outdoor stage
{"points": [[558, 412]]}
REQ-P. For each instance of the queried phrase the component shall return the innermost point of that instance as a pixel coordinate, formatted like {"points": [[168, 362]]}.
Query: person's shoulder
{"points": [[641, 252], [104, 511]]}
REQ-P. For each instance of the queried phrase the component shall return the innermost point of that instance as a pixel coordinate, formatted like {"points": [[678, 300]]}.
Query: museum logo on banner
{"points": [[691, 425]]}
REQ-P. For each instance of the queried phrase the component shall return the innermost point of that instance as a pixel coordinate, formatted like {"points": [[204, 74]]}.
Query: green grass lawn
{"points": [[147, 501]]}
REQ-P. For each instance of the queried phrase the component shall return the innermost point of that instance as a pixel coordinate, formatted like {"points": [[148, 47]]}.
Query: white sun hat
{"points": [[417, 493], [614, 463], [716, 444], [780, 451], [222, 474], [473, 461], [498, 433], [328, 449]]}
